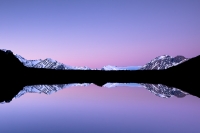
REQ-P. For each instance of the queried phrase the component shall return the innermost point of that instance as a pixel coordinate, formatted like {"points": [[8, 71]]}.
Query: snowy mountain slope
{"points": [[48, 63], [53, 64], [28, 63], [163, 62], [160, 62]]}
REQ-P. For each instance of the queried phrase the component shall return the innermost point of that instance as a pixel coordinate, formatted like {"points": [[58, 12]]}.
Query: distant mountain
{"points": [[46, 63], [160, 62], [109, 67], [163, 62], [53, 64]]}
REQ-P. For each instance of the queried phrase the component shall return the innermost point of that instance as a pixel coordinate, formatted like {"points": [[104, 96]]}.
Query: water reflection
{"points": [[164, 91], [159, 90], [47, 89]]}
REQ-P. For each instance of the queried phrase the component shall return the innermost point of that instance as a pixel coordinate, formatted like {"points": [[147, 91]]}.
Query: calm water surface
{"points": [[94, 109]]}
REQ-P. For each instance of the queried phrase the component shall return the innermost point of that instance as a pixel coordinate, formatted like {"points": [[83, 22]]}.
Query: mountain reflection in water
{"points": [[157, 89]]}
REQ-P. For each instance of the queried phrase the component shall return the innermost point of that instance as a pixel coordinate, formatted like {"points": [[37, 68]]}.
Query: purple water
{"points": [[100, 110]]}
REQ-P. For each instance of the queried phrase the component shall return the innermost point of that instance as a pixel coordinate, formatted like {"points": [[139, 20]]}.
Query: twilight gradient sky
{"points": [[97, 33]]}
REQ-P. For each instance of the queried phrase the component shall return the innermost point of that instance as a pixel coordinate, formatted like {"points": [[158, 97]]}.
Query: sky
{"points": [[97, 33]]}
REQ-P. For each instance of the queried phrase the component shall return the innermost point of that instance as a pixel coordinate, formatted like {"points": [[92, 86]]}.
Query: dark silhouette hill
{"points": [[14, 76], [11, 69], [192, 64], [9, 61]]}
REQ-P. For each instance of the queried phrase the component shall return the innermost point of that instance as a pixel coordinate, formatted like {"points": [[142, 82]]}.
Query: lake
{"points": [[94, 109]]}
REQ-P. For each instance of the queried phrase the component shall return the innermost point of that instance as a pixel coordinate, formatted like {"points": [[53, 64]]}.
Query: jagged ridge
{"points": [[164, 62]]}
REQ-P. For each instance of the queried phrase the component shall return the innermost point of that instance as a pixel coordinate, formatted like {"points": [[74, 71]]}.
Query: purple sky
{"points": [[97, 33]]}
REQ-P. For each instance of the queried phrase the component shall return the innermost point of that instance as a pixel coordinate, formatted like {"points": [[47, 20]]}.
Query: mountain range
{"points": [[48, 63], [158, 63]]}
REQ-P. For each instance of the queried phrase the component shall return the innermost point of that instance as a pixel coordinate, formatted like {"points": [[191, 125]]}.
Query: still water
{"points": [[93, 109]]}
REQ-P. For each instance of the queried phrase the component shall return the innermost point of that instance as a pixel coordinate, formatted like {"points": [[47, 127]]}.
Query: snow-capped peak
{"points": [[163, 62], [47, 63]]}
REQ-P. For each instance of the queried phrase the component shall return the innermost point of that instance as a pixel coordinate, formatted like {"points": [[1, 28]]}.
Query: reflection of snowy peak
{"points": [[159, 90], [164, 91], [47, 63], [109, 67], [163, 62], [47, 89]]}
